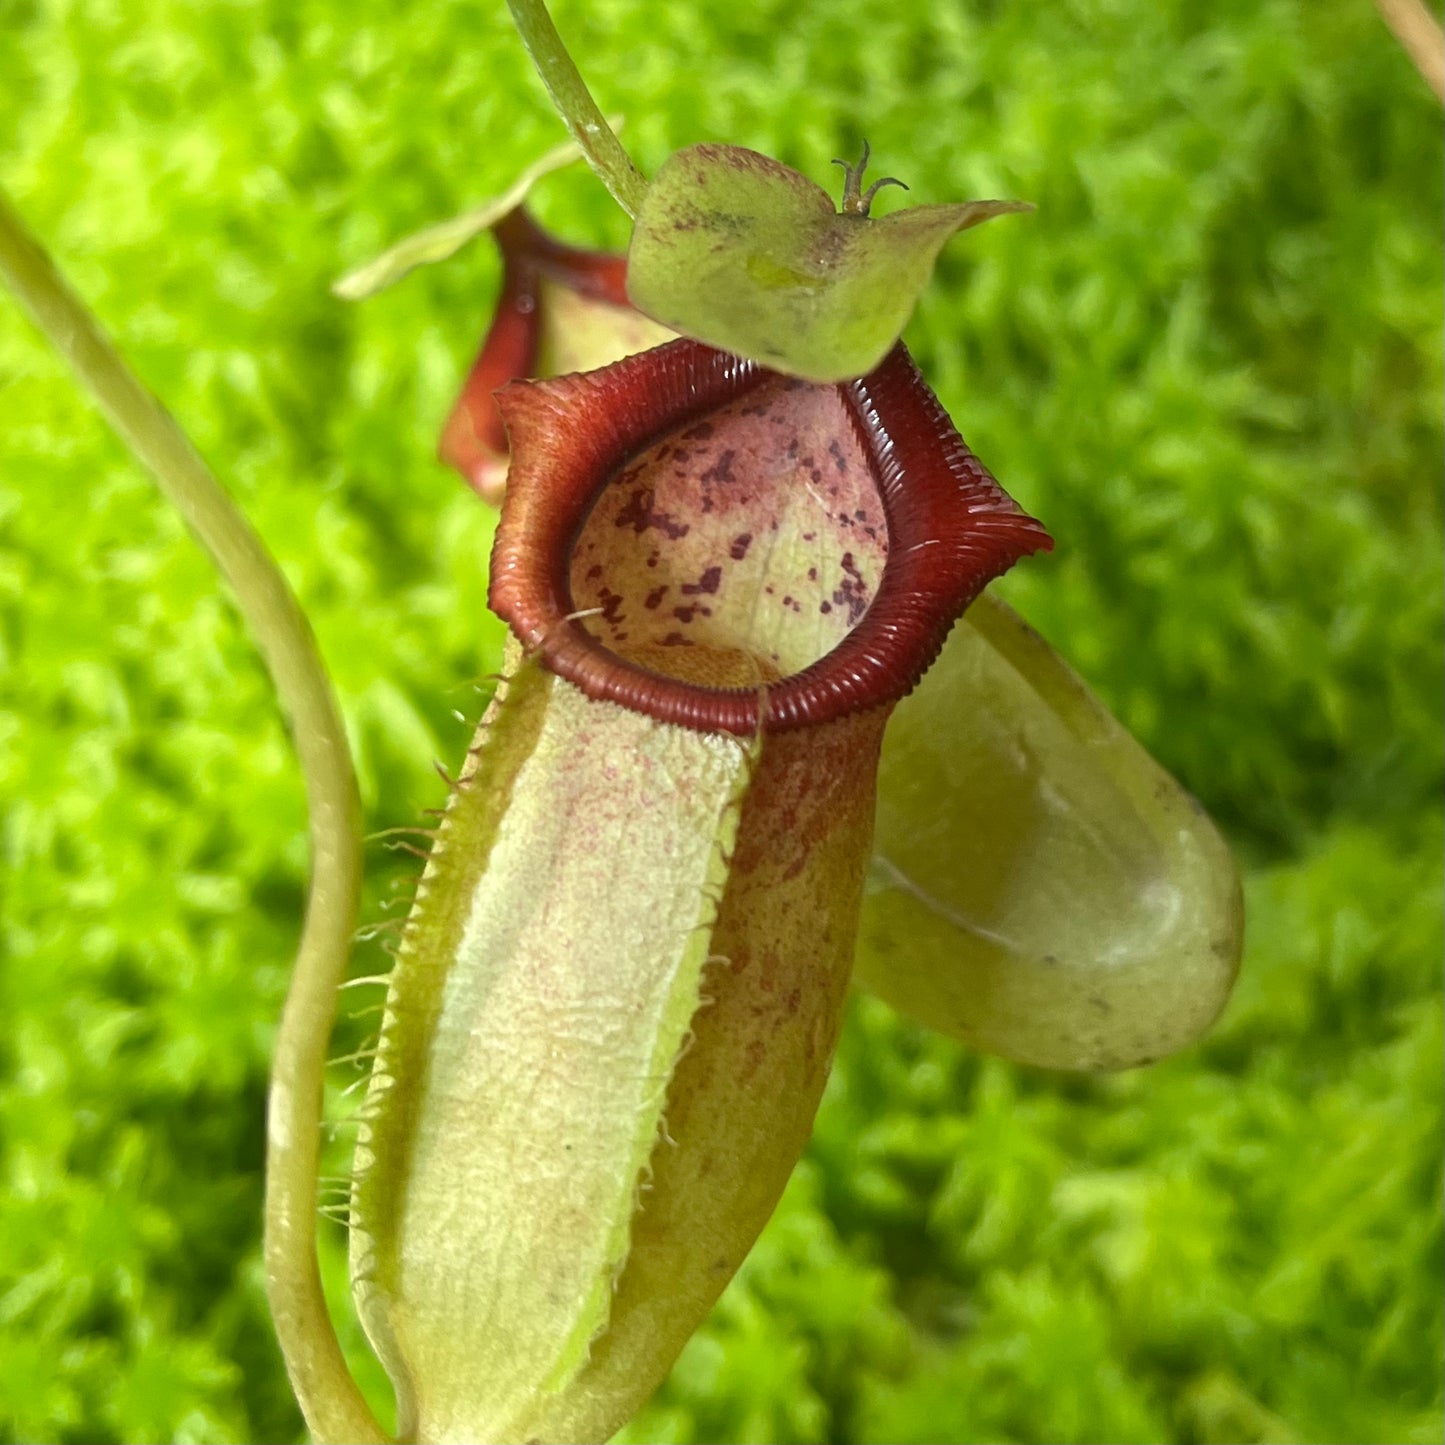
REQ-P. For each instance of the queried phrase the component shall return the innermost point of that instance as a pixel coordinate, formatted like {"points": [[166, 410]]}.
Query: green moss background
{"points": [[1212, 362]]}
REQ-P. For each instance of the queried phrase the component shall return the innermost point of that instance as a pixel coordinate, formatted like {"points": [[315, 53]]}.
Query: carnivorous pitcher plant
{"points": [[742, 753]]}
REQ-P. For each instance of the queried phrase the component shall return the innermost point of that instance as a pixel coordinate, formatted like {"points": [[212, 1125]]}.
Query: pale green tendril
{"points": [[330, 1399], [574, 103]]}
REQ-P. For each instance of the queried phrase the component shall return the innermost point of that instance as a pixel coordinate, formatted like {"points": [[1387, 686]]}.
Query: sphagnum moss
{"points": [[1273, 179]]}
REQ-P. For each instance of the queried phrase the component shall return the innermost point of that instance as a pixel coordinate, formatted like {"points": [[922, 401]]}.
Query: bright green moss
{"points": [[1212, 362]]}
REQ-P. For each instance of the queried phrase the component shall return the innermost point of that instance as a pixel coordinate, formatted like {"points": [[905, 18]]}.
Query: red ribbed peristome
{"points": [[951, 530], [473, 439]]}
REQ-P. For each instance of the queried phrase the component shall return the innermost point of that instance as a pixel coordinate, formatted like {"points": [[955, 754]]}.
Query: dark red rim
{"points": [[951, 530], [509, 349]]}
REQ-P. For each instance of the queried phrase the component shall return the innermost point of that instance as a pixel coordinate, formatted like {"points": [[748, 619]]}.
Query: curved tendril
{"points": [[574, 103], [333, 1404]]}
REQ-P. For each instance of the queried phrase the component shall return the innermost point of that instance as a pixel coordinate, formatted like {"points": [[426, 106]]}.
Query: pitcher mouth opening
{"points": [[727, 549]]}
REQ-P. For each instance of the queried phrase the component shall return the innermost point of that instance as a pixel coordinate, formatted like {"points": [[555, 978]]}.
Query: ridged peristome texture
{"points": [[950, 529], [560, 309]]}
